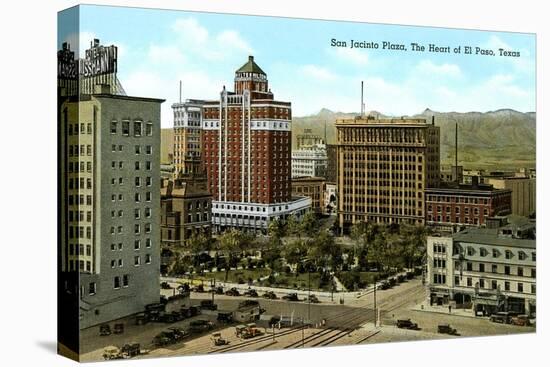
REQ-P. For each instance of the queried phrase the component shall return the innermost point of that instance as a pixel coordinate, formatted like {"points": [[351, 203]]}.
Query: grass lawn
{"points": [[297, 281], [235, 275]]}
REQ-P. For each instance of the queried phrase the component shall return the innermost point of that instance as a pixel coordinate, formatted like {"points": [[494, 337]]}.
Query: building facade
{"points": [[524, 193], [331, 173], [187, 137], [247, 154], [450, 207], [309, 161], [384, 168], [186, 209], [484, 269], [307, 139], [110, 203], [312, 187]]}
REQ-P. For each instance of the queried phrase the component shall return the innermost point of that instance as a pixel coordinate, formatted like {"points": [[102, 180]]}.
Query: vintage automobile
{"points": [[248, 303], [119, 328], [312, 299], [446, 329], [520, 320], [502, 317], [247, 331], [130, 350], [384, 285], [251, 293], [199, 289], [270, 295], [111, 352], [165, 285], [198, 326], [232, 292], [208, 304], [104, 330], [225, 317], [217, 339], [217, 290], [169, 336], [291, 297], [407, 324]]}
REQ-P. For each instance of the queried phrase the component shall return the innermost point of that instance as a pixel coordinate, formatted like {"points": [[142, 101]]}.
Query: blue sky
{"points": [[157, 48]]}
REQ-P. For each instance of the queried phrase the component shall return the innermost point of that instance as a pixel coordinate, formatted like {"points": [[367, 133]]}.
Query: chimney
{"points": [[433, 120], [251, 58]]}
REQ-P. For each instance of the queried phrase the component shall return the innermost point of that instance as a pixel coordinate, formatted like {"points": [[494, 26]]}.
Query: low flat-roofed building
{"points": [[450, 207], [312, 187]]}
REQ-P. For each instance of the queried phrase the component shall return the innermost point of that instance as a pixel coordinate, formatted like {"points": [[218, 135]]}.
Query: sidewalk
{"points": [[424, 307]]}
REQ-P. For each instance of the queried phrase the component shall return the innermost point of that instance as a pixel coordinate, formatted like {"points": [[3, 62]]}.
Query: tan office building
{"points": [[524, 193], [384, 166]]}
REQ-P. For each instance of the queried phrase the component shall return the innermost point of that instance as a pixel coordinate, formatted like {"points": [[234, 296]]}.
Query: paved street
{"points": [[351, 323]]}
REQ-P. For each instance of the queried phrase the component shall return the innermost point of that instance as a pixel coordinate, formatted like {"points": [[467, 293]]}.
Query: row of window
{"points": [[137, 245], [84, 128], [137, 197], [494, 269], [137, 261], [137, 228], [137, 128], [137, 165], [84, 150], [493, 285]]}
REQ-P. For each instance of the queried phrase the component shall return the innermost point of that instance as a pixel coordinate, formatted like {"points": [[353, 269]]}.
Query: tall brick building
{"points": [[246, 144]]}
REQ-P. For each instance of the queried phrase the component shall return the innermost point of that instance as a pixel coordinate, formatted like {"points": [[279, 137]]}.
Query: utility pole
{"points": [[375, 308]]}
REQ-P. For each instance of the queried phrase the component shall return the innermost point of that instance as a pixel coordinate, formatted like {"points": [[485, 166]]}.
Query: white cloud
{"points": [[430, 68], [165, 54], [232, 39], [351, 55], [317, 72]]}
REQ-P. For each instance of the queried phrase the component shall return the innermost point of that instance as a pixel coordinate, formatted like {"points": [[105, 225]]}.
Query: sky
{"points": [[158, 48]]}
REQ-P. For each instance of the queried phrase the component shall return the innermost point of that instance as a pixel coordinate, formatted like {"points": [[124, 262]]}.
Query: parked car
{"points": [[291, 297], [104, 330], [502, 317], [248, 302], [119, 328], [520, 320], [251, 293], [270, 295], [407, 324], [232, 292], [312, 299], [169, 336], [446, 329], [198, 326], [208, 304], [225, 317], [165, 285], [217, 290], [384, 285], [217, 339], [199, 289]]}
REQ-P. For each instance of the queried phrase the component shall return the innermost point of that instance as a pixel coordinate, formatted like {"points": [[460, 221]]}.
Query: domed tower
{"points": [[252, 78]]}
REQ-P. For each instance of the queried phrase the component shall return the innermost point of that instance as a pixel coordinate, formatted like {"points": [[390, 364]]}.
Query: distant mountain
{"points": [[497, 139]]}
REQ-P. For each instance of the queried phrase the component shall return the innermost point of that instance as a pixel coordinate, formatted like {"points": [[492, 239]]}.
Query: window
{"points": [[520, 287], [493, 284], [137, 197], [148, 196], [482, 283], [148, 181], [520, 271], [470, 251], [506, 286], [533, 256], [469, 266], [137, 128], [138, 181], [494, 268], [495, 252], [457, 280], [113, 127], [148, 243], [117, 282], [138, 149], [148, 228], [522, 255], [125, 280], [148, 165], [126, 128], [137, 228], [533, 273], [507, 270], [533, 288], [91, 288], [481, 268], [148, 149], [137, 165], [483, 252], [137, 213], [508, 254], [113, 263], [120, 263], [149, 129], [137, 260], [137, 244], [147, 212], [148, 258]]}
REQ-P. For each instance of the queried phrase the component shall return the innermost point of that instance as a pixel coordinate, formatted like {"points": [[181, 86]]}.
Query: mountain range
{"points": [[500, 139]]}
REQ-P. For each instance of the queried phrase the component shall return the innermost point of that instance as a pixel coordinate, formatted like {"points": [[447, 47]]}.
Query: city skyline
{"points": [[198, 47]]}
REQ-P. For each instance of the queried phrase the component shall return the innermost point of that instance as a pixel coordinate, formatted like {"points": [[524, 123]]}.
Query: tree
{"points": [[198, 243], [293, 226], [294, 251], [229, 244], [308, 224], [275, 228]]}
